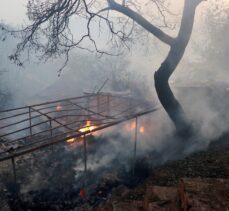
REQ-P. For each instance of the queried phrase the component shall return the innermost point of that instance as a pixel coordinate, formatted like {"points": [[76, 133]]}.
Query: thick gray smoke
{"points": [[200, 83]]}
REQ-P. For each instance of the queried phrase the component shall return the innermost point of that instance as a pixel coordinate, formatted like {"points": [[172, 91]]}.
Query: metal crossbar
{"points": [[29, 128]]}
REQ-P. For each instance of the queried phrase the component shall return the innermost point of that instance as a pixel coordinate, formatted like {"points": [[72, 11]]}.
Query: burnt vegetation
{"points": [[57, 27]]}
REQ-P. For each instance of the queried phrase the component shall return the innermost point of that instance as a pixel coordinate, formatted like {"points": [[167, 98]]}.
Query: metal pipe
{"points": [[58, 122], [55, 141], [45, 103], [30, 122], [135, 143], [98, 105], [50, 127], [14, 173], [108, 105], [85, 158], [85, 153]]}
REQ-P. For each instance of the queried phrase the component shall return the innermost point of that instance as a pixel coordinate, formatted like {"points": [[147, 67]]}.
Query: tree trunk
{"points": [[177, 49], [169, 102], [162, 75]]}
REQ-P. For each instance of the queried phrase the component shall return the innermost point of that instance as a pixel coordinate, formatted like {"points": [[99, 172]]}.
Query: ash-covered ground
{"points": [[53, 179]]}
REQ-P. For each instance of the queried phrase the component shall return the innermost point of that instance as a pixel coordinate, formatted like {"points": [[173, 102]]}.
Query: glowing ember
{"points": [[71, 140], [59, 108], [74, 140], [88, 128], [133, 125], [82, 193], [130, 126], [142, 130]]}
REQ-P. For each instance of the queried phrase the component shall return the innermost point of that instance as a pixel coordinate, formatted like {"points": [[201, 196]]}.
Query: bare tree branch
{"points": [[142, 22]]}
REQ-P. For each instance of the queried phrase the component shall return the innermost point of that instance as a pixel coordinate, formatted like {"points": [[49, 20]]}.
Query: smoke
{"points": [[199, 84], [22, 82]]}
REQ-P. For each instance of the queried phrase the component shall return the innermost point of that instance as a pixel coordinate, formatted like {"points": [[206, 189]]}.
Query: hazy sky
{"points": [[13, 11]]}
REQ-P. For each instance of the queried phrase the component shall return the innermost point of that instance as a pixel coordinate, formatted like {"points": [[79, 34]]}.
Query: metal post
{"points": [[14, 175], [30, 122], [85, 153], [108, 105], [50, 127], [85, 158], [98, 105], [14, 170], [135, 143], [88, 106]]}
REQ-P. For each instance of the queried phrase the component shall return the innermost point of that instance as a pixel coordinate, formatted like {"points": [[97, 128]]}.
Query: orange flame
{"points": [[88, 127], [142, 130], [71, 140]]}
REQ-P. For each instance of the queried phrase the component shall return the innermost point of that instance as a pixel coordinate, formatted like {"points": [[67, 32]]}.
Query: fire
{"points": [[227, 89], [59, 108], [74, 140], [88, 127], [71, 140], [142, 130], [132, 126]]}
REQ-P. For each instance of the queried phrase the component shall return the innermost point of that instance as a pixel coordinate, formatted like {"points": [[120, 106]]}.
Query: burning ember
{"points": [[88, 127], [59, 108], [71, 140], [142, 130], [132, 126], [82, 193]]}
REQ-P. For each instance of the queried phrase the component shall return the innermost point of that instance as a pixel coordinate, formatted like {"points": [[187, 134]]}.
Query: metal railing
{"points": [[26, 129]]}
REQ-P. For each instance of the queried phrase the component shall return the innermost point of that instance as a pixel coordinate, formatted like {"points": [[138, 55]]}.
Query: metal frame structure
{"points": [[26, 129], [30, 128]]}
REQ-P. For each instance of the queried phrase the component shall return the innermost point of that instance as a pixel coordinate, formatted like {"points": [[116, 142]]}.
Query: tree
{"points": [[50, 34]]}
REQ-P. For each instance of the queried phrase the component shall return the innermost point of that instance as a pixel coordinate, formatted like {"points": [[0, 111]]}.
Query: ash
{"points": [[54, 178]]}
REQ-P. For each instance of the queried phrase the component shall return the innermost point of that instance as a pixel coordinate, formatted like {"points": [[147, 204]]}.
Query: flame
{"points": [[142, 130], [130, 126], [74, 140], [59, 108], [71, 140], [88, 127], [133, 125]]}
